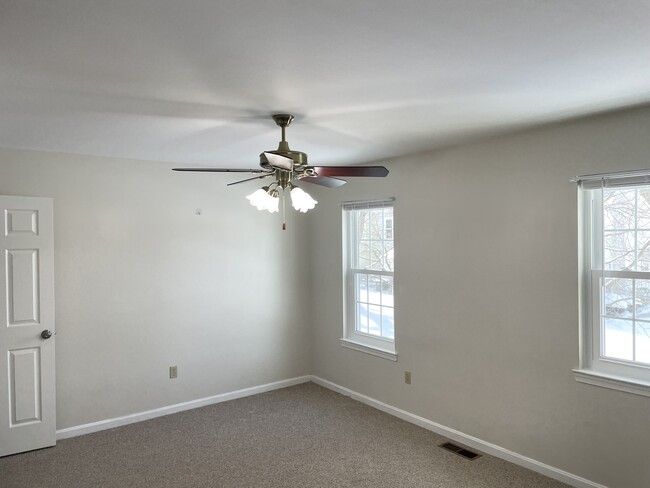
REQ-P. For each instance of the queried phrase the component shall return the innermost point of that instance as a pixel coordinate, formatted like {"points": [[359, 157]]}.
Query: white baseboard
{"points": [[179, 407], [456, 435], [468, 440]]}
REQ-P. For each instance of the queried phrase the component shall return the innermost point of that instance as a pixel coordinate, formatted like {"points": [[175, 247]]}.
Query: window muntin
{"points": [[369, 274]]}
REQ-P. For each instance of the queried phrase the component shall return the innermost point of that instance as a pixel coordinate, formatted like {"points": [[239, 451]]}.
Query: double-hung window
{"points": [[368, 277], [615, 281]]}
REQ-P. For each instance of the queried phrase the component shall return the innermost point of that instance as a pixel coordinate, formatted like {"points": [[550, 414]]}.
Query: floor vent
{"points": [[461, 451]]}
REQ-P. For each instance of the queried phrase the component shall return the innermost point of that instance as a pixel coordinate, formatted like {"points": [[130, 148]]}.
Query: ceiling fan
{"points": [[287, 167]]}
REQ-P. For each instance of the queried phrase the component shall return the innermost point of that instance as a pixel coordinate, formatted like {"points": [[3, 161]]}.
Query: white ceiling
{"points": [[194, 81]]}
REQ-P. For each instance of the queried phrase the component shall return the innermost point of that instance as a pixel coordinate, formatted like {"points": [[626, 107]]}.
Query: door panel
{"points": [[22, 287], [27, 380], [21, 221], [24, 386]]}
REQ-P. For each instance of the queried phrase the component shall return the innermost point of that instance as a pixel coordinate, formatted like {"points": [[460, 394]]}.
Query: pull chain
{"points": [[284, 213]]}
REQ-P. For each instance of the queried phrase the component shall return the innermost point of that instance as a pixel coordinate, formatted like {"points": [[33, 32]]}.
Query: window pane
{"points": [[618, 340], [619, 250], [377, 255], [362, 318], [388, 227], [390, 256], [363, 254], [618, 297], [363, 225], [642, 299], [387, 317], [618, 209], [374, 320], [643, 208], [642, 343], [374, 289], [376, 223], [361, 287], [387, 322], [643, 250], [387, 291]]}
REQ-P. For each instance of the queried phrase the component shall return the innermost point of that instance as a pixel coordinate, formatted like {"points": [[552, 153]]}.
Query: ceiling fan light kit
{"points": [[288, 167]]}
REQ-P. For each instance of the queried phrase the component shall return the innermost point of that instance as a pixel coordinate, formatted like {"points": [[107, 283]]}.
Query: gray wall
{"points": [[486, 297], [142, 283]]}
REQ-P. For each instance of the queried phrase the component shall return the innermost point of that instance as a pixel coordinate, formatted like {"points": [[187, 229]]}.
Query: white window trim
{"points": [[594, 369], [591, 377], [357, 341], [373, 351]]}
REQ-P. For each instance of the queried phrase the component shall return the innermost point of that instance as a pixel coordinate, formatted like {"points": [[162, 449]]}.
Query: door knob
{"points": [[46, 334]]}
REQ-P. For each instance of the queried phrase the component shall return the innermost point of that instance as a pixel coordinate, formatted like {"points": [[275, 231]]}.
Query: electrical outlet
{"points": [[407, 377], [173, 372]]}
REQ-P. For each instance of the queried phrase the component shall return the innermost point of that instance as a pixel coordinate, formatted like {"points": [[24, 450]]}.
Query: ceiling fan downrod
{"points": [[283, 120]]}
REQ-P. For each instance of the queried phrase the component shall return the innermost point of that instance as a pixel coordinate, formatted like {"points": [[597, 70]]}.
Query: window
{"points": [[368, 250], [615, 281]]}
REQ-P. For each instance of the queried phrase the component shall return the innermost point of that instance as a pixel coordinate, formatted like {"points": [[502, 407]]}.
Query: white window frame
{"points": [[594, 367], [352, 338]]}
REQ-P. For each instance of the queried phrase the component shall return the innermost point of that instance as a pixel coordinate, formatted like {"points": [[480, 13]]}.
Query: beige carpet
{"points": [[302, 436]]}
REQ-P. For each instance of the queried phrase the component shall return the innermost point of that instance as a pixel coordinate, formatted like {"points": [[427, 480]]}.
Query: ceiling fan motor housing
{"points": [[299, 158]]}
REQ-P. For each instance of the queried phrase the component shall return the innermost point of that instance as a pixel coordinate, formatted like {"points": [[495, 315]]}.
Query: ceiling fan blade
{"points": [[376, 171], [249, 179], [279, 161], [324, 181], [222, 170]]}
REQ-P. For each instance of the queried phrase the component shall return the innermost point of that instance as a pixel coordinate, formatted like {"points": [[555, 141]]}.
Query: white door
{"points": [[27, 403]]}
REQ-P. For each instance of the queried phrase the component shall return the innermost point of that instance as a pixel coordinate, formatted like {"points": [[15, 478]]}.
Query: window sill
{"points": [[612, 382], [374, 351]]}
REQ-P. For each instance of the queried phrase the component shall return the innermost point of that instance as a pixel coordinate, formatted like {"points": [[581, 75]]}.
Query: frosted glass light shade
{"points": [[258, 199], [262, 200], [301, 200]]}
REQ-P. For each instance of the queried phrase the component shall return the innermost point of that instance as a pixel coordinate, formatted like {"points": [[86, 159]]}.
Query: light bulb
{"points": [[301, 200]]}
